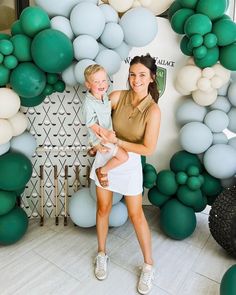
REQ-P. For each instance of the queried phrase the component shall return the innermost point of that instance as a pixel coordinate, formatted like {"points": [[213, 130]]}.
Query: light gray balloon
{"points": [[68, 75], [190, 111], [112, 35], [110, 13], [116, 196], [220, 161], [216, 120], [24, 143], [123, 50], [62, 24], [80, 67], [110, 60], [221, 103], [4, 148], [223, 90], [232, 93], [233, 76], [85, 46], [232, 120], [118, 215], [195, 137], [219, 138], [232, 142]]}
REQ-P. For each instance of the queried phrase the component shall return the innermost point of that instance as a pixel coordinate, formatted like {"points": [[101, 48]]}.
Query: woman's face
{"points": [[139, 78]]}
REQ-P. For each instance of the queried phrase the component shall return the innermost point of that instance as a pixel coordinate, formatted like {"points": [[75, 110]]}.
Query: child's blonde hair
{"points": [[92, 69]]}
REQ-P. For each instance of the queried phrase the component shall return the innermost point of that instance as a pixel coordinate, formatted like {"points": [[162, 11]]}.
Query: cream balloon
{"points": [[222, 72], [188, 76], [204, 84], [208, 73], [136, 3], [19, 123], [158, 7], [145, 3], [5, 131], [203, 98], [217, 82], [181, 90], [9, 103], [121, 6]]}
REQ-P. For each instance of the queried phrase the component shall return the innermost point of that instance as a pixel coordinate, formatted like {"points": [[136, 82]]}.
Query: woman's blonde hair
{"points": [[92, 69]]}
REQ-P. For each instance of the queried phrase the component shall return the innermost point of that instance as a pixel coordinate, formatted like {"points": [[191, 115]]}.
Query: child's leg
{"points": [[120, 156]]}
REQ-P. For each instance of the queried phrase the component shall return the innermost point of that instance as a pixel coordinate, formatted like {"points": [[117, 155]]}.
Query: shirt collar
{"points": [[144, 103], [90, 96]]}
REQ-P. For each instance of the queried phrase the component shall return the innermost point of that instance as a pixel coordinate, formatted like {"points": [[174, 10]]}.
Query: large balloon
{"points": [[24, 143], [227, 54], [227, 285], [212, 8], [118, 215], [9, 103], [7, 201]]}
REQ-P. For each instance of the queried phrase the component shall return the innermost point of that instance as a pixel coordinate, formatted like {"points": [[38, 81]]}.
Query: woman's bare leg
{"points": [[138, 219], [104, 204]]}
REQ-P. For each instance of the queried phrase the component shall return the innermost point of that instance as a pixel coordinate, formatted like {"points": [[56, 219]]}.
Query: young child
{"points": [[97, 113]]}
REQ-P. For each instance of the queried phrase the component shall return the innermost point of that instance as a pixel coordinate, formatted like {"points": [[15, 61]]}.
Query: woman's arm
{"points": [[114, 97]]}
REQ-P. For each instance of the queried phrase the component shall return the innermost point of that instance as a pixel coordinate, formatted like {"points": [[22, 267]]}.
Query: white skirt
{"points": [[126, 179]]}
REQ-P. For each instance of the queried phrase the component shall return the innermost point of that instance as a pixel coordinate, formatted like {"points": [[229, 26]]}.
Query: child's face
{"points": [[97, 83]]}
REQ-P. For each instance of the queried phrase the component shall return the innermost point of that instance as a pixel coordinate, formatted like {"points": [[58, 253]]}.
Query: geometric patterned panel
{"points": [[61, 135]]}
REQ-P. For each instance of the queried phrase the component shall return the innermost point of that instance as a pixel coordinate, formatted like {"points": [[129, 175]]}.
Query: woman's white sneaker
{"points": [[146, 279], [100, 269]]}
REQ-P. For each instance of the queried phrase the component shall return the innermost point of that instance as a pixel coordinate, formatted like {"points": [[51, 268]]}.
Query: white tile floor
{"points": [[59, 260]]}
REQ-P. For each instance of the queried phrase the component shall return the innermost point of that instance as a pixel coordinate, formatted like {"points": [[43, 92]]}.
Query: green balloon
{"points": [[210, 59], [181, 160], [196, 40], [227, 57], [52, 78], [148, 167], [188, 3], [33, 20], [6, 47], [177, 220], [1, 58], [143, 161], [32, 101], [211, 200], [16, 28], [228, 285], [181, 177], [7, 201], [200, 52], [166, 182], [179, 18], [149, 178], [189, 197], [175, 6], [52, 51], [184, 46], [4, 36], [200, 204], [4, 75], [210, 40], [211, 186], [225, 31], [13, 226], [156, 198], [48, 90], [10, 62], [193, 183], [15, 171], [212, 8], [59, 86], [27, 80], [193, 170], [197, 24], [22, 47]]}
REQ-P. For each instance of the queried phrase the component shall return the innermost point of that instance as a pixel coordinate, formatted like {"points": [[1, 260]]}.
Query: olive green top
{"points": [[129, 122]]}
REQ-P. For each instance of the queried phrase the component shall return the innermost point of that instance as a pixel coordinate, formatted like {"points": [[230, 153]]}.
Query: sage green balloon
{"points": [[177, 220], [227, 56], [212, 8], [15, 171], [181, 160], [13, 226], [225, 31], [34, 19], [197, 24], [156, 198], [22, 47], [211, 186], [28, 80], [7, 201], [227, 284], [166, 182], [184, 46], [16, 28], [32, 101], [209, 59], [4, 75], [179, 18]]}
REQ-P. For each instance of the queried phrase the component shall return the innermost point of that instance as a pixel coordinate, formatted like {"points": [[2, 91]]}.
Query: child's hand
{"points": [[108, 136], [101, 148]]}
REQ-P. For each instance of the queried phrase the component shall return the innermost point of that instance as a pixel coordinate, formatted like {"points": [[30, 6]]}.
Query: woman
{"points": [[136, 121]]}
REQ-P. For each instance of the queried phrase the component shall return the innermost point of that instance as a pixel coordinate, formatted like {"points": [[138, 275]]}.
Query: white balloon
{"points": [[208, 73], [68, 75], [181, 90], [204, 98], [121, 6], [188, 77], [19, 123], [62, 24], [9, 103], [159, 6], [6, 131], [217, 82], [136, 3], [204, 84], [145, 2], [222, 72]]}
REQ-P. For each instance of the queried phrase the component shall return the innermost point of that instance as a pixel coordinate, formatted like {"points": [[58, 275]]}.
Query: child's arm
{"points": [[97, 129]]}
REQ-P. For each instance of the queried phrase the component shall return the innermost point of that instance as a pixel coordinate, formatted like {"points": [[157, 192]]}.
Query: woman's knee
{"points": [[104, 209], [136, 217]]}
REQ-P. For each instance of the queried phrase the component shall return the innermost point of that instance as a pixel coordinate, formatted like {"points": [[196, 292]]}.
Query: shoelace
{"points": [[146, 277], [101, 262]]}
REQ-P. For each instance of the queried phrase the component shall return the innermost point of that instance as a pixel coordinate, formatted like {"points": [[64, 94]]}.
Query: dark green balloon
{"points": [[200, 52], [177, 220], [22, 47], [4, 36], [184, 46], [188, 3], [193, 170], [228, 285], [28, 80], [210, 59], [52, 78], [143, 161], [59, 86], [48, 90], [196, 40], [15, 171], [6, 47], [211, 186], [13, 226], [181, 160], [149, 178], [212, 8], [52, 51], [227, 56], [225, 31], [210, 40], [33, 20], [200, 204], [10, 62], [211, 200], [148, 167], [175, 6], [4, 75], [193, 183], [1, 58], [197, 24], [156, 198], [16, 28], [7, 201], [179, 18], [189, 197], [32, 101], [181, 177], [166, 182]]}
